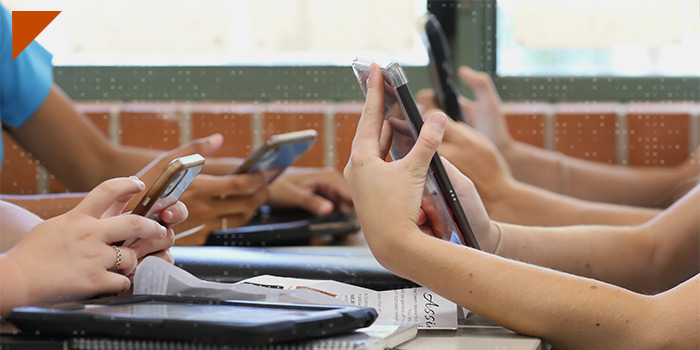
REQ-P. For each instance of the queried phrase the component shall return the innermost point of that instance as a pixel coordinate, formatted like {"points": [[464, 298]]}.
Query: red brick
{"points": [[658, 133], [526, 122], [150, 125], [233, 121], [346, 117], [587, 131], [19, 173], [286, 117]]}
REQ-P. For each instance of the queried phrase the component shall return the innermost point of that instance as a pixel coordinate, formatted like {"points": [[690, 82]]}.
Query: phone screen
{"points": [[273, 163], [402, 114]]}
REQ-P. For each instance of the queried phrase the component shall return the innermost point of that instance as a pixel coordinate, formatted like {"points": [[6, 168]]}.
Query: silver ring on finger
{"points": [[118, 260]]}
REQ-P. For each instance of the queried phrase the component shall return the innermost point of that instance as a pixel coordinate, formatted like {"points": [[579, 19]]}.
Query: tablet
{"points": [[440, 201], [284, 227], [194, 319], [441, 73]]}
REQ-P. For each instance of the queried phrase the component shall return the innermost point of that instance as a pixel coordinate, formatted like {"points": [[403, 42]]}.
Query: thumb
{"points": [[428, 142], [204, 146]]}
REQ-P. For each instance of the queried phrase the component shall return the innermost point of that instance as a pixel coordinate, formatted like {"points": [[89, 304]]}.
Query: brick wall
{"points": [[628, 134]]}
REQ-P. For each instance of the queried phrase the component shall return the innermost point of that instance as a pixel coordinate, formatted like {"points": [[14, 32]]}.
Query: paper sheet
{"points": [[414, 305]]}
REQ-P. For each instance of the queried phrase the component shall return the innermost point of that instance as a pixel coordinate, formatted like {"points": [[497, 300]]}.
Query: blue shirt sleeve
{"points": [[24, 82]]}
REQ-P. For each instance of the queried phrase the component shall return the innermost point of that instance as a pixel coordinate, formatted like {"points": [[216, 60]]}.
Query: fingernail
{"points": [[439, 119], [167, 215], [325, 208], [138, 181], [163, 231]]}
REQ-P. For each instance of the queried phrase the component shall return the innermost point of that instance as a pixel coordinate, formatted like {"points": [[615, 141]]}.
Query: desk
{"points": [[474, 333]]}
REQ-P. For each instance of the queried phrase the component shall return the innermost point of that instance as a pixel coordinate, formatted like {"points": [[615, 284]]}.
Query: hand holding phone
{"points": [[277, 153], [440, 202], [168, 188]]}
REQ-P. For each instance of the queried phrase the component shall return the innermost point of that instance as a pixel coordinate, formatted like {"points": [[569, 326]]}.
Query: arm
{"points": [[568, 311], [45, 206], [508, 200], [638, 186]]}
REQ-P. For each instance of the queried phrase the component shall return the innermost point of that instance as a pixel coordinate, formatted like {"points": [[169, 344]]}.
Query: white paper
{"points": [[411, 305]]}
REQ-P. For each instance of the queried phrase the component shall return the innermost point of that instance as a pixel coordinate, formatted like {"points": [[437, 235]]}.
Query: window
{"points": [[598, 38], [223, 32]]}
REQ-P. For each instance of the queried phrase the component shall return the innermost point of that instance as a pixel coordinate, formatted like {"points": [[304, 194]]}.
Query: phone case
{"points": [[441, 73], [277, 153], [440, 201]]}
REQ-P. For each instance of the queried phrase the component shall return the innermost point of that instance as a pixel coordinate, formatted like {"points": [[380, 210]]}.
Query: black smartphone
{"points": [[440, 201], [277, 153], [168, 188], [441, 73]]}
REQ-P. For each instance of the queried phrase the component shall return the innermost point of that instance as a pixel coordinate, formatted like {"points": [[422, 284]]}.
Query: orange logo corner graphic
{"points": [[26, 26]]}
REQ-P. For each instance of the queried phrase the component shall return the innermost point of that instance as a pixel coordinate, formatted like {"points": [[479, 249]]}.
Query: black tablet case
{"points": [[60, 320]]}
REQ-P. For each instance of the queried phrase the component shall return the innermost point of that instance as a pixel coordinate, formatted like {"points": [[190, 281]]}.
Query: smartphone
{"points": [[168, 188], [277, 153], [440, 202], [441, 73]]}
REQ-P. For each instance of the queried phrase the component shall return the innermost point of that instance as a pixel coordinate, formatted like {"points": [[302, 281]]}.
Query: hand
{"points": [[387, 195], [317, 190], [484, 114], [70, 257], [485, 231], [477, 158], [209, 198]]}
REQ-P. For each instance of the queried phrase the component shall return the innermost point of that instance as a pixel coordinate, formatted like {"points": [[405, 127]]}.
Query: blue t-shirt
{"points": [[24, 82]]}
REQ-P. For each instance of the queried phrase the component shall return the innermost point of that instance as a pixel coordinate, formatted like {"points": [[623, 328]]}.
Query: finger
{"points": [[385, 140], [422, 218], [236, 205], [143, 247], [468, 108], [369, 127], [226, 185], [112, 283], [427, 98], [427, 144], [310, 201], [480, 83], [122, 259], [165, 255], [103, 197], [174, 214], [123, 227], [119, 204]]}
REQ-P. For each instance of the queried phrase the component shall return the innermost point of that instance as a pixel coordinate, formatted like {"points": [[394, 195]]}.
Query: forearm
{"points": [[15, 223], [568, 311], [45, 206], [13, 289], [523, 204], [639, 186]]}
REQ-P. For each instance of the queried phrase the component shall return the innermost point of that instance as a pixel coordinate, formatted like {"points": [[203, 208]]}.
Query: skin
{"points": [[636, 186], [508, 200], [588, 293], [81, 157], [70, 256]]}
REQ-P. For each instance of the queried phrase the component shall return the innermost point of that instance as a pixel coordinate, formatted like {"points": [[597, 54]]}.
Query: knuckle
{"points": [[135, 223]]}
